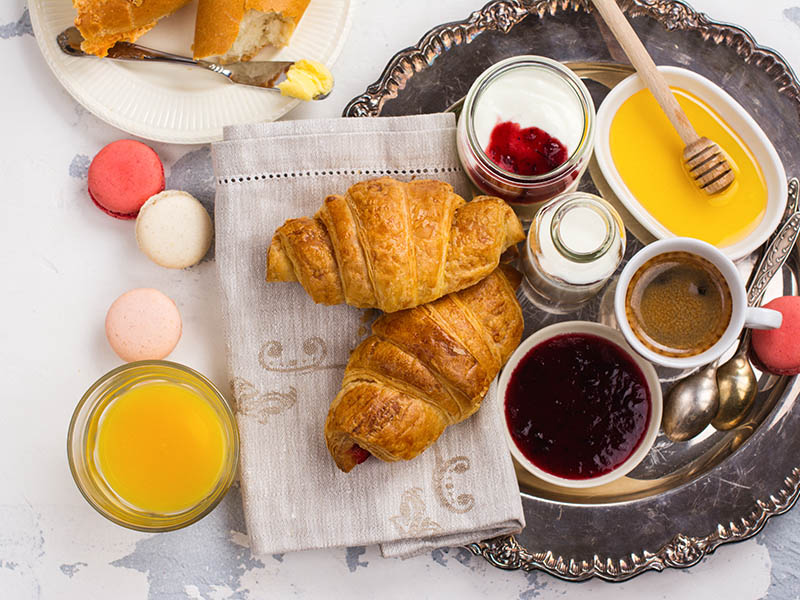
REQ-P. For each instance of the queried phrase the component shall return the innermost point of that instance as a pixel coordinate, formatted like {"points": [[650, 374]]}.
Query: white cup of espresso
{"points": [[741, 315]]}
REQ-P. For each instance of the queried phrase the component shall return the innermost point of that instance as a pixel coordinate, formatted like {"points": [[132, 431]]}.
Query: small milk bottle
{"points": [[575, 243]]}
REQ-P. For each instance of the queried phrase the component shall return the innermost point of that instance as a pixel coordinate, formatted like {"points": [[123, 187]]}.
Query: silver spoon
{"points": [[262, 74], [737, 385], [693, 402], [736, 380]]}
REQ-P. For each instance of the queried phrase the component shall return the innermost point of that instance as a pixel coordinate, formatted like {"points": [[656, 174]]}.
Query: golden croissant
{"points": [[392, 245], [423, 369]]}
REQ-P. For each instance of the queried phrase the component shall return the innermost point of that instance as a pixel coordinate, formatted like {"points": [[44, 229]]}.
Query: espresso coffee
{"points": [[678, 304]]}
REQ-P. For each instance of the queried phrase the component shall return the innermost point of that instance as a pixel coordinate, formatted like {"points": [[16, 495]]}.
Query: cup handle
{"points": [[762, 318]]}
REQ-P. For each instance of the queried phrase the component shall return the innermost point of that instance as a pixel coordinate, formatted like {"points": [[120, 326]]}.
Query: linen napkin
{"points": [[286, 355]]}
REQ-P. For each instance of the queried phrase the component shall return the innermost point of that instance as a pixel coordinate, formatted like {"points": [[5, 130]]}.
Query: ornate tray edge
{"points": [[502, 15], [682, 551]]}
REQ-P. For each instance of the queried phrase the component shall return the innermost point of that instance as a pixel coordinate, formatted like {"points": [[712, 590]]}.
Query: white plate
{"points": [[739, 120], [173, 103]]}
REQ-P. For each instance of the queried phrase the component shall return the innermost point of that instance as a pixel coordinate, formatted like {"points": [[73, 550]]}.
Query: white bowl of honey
{"points": [[641, 158], [153, 446]]}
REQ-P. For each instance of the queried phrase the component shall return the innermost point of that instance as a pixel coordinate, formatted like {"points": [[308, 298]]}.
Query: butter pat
{"points": [[306, 79]]}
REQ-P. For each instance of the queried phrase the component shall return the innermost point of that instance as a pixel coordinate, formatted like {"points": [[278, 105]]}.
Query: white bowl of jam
{"points": [[641, 158], [526, 131], [581, 408]]}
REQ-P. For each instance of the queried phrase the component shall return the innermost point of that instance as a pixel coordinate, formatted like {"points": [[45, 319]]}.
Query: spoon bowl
{"points": [[691, 404], [737, 389]]}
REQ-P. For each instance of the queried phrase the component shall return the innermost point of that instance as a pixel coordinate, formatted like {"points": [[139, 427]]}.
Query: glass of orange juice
{"points": [[153, 446]]}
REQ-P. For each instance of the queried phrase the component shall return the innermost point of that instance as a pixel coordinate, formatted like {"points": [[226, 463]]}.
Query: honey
{"points": [[648, 154]]}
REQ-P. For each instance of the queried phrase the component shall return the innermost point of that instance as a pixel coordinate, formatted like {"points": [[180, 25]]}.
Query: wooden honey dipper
{"points": [[704, 159]]}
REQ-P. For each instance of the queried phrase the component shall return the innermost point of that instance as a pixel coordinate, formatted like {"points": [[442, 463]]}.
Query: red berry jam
{"points": [[530, 151], [359, 454], [577, 406]]}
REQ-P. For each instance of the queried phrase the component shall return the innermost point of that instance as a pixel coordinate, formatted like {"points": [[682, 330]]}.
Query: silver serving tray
{"points": [[685, 499]]}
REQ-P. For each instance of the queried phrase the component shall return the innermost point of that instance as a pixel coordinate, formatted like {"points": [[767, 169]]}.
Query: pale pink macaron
{"points": [[143, 324]]}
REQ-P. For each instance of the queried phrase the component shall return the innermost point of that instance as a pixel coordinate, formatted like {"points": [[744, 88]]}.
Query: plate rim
{"points": [[683, 550], [188, 137]]}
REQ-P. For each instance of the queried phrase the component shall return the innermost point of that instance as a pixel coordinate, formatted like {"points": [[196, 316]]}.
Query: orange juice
{"points": [[161, 447], [648, 155]]}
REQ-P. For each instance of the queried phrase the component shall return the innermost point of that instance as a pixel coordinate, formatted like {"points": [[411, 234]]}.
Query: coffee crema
{"points": [[678, 304]]}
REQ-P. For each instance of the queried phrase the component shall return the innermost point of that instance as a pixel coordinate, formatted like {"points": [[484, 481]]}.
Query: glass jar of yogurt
{"points": [[526, 131], [574, 245]]}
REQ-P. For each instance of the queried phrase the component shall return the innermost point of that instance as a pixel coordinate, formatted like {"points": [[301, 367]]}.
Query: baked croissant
{"points": [[392, 245], [423, 369]]}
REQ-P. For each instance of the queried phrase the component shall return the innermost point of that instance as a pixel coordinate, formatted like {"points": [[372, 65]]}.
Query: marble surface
{"points": [[63, 262]]}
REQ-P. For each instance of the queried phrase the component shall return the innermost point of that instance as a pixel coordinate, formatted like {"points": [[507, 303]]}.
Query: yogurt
{"points": [[526, 131], [531, 97]]}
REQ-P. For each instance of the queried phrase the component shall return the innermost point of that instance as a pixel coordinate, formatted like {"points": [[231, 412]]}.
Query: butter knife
{"points": [[262, 74]]}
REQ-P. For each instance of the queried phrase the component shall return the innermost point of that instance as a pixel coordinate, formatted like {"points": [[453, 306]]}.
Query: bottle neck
{"points": [[582, 230]]}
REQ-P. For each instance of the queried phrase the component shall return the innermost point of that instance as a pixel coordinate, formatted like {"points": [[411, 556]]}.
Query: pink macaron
{"points": [[778, 350], [123, 176], [143, 324]]}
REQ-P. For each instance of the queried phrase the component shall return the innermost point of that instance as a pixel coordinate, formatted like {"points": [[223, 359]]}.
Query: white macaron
{"points": [[174, 230]]}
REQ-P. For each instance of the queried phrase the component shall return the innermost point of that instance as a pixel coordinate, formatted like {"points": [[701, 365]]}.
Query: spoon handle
{"points": [[775, 256], [793, 198], [744, 343]]}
